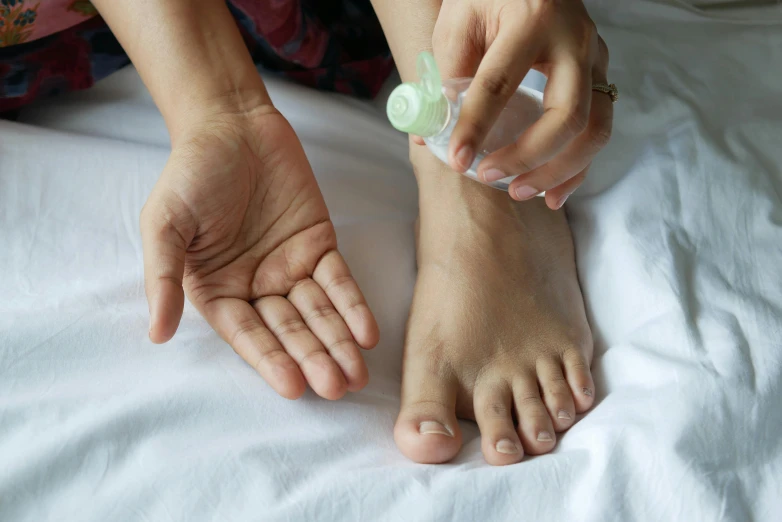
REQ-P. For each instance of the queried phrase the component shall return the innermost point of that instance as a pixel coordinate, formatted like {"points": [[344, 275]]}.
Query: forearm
{"points": [[189, 54], [408, 26]]}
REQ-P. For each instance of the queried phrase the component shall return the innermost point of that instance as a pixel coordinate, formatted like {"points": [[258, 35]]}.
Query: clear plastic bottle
{"points": [[430, 109]]}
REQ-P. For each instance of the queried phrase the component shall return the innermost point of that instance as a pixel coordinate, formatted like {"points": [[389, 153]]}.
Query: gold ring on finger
{"points": [[609, 89]]}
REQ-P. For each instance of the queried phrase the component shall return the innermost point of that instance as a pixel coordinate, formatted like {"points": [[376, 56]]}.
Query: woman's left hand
{"points": [[497, 42]]}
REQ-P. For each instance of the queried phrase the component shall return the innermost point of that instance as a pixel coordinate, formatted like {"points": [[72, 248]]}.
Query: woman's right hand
{"points": [[238, 220], [497, 42]]}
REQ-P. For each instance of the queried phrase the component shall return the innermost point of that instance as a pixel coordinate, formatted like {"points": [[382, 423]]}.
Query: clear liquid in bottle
{"points": [[523, 109], [430, 108]]}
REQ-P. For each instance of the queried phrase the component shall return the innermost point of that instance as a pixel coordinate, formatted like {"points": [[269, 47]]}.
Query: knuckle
{"points": [[559, 392], [314, 356], [289, 327], [339, 283], [577, 180], [272, 358], [529, 403], [496, 410], [588, 29], [573, 355], [541, 7], [471, 129], [604, 54], [245, 329], [600, 136], [321, 312], [557, 383], [352, 306], [161, 218], [576, 119], [497, 84], [520, 162], [347, 348]]}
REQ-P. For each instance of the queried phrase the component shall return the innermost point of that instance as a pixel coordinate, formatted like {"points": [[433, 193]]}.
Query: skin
{"points": [[497, 331], [497, 42], [237, 221]]}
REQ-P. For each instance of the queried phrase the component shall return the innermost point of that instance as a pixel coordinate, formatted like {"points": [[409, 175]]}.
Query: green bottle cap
{"points": [[419, 108]]}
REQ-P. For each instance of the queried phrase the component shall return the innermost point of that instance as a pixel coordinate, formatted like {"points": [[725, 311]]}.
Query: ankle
{"points": [[443, 191]]}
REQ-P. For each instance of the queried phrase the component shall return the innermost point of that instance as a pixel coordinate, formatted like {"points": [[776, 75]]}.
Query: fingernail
{"points": [[525, 192], [586, 391], [562, 200], [544, 436], [465, 156], [562, 414], [507, 447], [433, 428], [492, 175], [149, 307]]}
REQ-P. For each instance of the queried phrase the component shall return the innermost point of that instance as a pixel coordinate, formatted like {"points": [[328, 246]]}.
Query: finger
{"points": [[457, 42], [164, 247], [239, 325], [580, 153], [327, 325], [334, 277], [557, 197], [418, 140], [500, 73], [292, 261], [566, 102], [285, 323]]}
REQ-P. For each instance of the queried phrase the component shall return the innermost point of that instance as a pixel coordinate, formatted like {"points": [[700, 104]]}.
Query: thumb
{"points": [[164, 243]]}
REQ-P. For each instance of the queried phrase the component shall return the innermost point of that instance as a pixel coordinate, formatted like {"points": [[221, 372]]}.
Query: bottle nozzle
{"points": [[419, 108]]}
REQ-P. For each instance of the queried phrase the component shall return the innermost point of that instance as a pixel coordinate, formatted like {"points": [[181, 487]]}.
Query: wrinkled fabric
{"points": [[678, 233], [333, 45]]}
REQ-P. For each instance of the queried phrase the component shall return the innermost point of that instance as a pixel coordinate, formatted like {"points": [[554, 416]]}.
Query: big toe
{"points": [[426, 430]]}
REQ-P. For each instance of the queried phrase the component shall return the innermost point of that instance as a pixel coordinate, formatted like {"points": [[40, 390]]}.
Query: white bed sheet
{"points": [[679, 239]]}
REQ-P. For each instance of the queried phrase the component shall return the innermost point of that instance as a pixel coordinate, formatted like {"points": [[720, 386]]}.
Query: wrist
{"points": [[190, 55], [235, 107], [224, 84], [441, 188]]}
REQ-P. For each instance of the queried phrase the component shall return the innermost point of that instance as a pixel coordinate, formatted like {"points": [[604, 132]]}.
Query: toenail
{"points": [[562, 414], [586, 391], [507, 447], [544, 436], [433, 428]]}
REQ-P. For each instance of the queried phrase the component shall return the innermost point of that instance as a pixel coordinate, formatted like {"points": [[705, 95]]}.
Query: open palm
{"points": [[238, 221]]}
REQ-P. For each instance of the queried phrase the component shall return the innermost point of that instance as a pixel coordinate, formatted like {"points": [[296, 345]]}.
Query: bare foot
{"points": [[497, 330]]}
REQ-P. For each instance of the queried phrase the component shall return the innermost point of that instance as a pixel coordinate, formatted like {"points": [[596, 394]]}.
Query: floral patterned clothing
{"points": [[53, 46]]}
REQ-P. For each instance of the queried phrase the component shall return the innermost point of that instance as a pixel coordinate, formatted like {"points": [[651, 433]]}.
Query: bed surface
{"points": [[679, 241]]}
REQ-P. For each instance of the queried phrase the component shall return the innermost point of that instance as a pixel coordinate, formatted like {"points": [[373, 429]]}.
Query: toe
{"points": [[579, 377], [556, 394], [499, 441], [426, 430], [535, 427]]}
